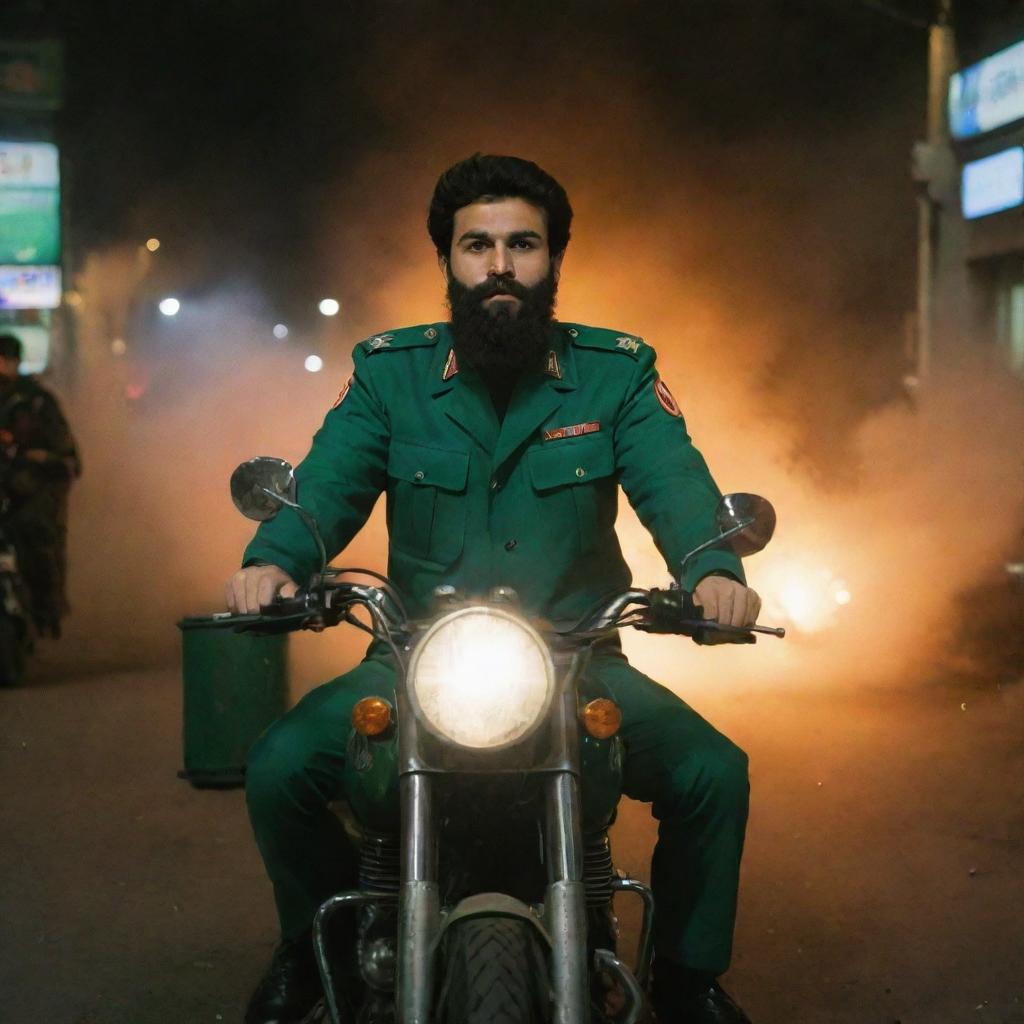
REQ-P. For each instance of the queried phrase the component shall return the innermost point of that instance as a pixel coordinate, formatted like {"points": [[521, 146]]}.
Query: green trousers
{"points": [[694, 778]]}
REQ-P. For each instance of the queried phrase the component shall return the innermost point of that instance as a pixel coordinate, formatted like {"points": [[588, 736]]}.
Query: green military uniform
{"points": [[528, 502], [37, 492]]}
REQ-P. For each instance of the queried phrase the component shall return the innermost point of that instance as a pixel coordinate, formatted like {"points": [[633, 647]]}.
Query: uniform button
{"points": [[418, 475], [510, 544], [580, 471]]}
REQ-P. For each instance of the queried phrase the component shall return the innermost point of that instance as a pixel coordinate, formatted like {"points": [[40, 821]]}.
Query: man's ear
{"points": [[556, 265], [442, 262]]}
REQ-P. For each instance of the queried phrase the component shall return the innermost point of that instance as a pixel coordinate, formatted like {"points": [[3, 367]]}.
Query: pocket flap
{"points": [[430, 467], [579, 461]]}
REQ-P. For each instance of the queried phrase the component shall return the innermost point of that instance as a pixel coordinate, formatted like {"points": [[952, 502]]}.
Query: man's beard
{"points": [[495, 337]]}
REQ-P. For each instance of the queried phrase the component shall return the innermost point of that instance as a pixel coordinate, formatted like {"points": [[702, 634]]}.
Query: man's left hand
{"points": [[727, 602]]}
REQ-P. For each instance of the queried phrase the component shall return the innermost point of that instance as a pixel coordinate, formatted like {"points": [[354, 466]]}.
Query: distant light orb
{"points": [[169, 306], [314, 364], [843, 597], [280, 331], [152, 244], [118, 347], [329, 307]]}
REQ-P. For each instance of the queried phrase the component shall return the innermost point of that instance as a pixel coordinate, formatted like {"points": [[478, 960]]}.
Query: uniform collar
{"points": [[442, 379], [466, 401]]}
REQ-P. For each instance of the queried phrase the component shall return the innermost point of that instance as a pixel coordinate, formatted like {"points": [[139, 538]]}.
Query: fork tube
{"points": [[565, 906], [418, 904]]}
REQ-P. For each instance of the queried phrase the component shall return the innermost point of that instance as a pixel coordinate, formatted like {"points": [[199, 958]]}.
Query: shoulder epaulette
{"points": [[584, 336], [402, 337]]}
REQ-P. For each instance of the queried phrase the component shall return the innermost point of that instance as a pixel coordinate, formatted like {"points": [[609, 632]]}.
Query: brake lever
{"points": [[674, 611]]}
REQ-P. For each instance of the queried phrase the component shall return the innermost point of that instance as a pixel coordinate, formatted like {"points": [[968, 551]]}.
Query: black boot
{"points": [[290, 988], [683, 996]]}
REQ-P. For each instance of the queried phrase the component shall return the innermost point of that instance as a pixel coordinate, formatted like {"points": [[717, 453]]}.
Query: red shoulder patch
{"points": [[664, 396], [343, 393]]}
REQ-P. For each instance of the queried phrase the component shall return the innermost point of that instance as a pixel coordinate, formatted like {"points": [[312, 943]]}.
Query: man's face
{"points": [[501, 285], [8, 368], [500, 243]]}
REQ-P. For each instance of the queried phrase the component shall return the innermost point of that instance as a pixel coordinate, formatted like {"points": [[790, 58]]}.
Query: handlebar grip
{"points": [[284, 606]]}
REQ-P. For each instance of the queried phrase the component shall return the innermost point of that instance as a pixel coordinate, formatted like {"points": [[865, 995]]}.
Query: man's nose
{"points": [[501, 262]]}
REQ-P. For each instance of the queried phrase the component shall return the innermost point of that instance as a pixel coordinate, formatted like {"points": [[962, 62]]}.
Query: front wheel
{"points": [[495, 972]]}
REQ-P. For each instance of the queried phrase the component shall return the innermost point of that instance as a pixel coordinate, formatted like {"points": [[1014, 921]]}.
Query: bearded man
{"points": [[500, 439]]}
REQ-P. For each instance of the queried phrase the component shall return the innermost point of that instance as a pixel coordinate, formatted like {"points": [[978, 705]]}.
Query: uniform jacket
{"points": [[529, 502]]}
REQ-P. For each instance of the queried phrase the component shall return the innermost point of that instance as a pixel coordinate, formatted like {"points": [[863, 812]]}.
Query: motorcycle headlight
{"points": [[481, 678]]}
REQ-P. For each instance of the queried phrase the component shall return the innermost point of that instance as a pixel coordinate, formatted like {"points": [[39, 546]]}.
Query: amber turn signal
{"points": [[371, 716], [602, 718]]}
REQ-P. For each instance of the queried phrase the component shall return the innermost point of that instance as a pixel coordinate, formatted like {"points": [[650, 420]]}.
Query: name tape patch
{"points": [[576, 430]]}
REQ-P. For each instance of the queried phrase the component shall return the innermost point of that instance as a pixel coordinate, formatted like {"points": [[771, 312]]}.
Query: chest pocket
{"points": [[578, 474], [427, 500]]}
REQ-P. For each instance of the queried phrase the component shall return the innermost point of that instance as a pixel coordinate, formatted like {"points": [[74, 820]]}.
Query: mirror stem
{"points": [[714, 542], [310, 525]]}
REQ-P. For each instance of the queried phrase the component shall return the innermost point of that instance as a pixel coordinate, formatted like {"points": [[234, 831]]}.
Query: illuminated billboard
{"points": [[29, 203], [29, 287], [993, 184], [987, 95]]}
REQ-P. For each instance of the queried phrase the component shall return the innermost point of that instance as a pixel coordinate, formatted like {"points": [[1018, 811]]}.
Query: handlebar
{"points": [[327, 602], [662, 611]]}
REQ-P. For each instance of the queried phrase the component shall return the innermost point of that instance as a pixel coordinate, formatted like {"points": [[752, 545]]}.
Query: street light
{"points": [[169, 306], [152, 244], [314, 364], [329, 307]]}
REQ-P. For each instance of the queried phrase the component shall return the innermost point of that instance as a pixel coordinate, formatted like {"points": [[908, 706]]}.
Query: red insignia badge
{"points": [[576, 430], [451, 366], [343, 393], [664, 396]]}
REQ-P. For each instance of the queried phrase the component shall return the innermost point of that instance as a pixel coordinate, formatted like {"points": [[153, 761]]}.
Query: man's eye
{"points": [[522, 243], [477, 246]]}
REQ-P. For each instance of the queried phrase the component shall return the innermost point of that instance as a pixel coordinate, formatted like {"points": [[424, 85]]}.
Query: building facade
{"points": [[971, 175]]}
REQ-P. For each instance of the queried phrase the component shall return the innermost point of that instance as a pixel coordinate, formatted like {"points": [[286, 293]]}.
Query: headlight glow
{"points": [[481, 678]]}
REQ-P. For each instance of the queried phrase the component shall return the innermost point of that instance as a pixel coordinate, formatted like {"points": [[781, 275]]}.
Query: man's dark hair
{"points": [[10, 347], [497, 177]]}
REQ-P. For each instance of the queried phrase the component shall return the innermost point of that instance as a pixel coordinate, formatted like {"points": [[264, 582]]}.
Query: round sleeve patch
{"points": [[343, 393], [664, 396]]}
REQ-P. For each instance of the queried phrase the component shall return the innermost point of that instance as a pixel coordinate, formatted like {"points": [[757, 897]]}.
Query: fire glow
{"points": [[808, 597]]}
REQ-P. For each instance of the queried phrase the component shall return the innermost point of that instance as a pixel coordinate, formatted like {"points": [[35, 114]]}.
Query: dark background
{"points": [[229, 129]]}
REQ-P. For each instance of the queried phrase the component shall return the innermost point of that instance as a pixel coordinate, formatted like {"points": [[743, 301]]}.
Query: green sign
{"points": [[29, 203], [30, 74]]}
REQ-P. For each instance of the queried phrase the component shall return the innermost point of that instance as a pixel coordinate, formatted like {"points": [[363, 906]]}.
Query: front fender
{"points": [[492, 904]]}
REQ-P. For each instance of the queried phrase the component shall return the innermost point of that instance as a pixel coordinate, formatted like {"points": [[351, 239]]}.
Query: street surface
{"points": [[883, 882]]}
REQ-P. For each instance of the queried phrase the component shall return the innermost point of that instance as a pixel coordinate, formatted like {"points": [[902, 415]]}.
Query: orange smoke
{"points": [[884, 515]]}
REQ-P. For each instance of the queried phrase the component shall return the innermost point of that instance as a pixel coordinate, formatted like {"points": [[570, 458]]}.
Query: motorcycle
{"points": [[482, 795]]}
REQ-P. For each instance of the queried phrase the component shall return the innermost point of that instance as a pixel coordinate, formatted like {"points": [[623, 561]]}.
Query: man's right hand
{"points": [[257, 585]]}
